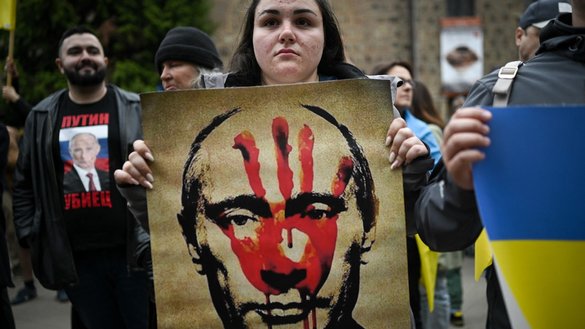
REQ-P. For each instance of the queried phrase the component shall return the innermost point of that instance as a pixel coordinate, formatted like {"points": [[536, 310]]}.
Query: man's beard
{"points": [[85, 80]]}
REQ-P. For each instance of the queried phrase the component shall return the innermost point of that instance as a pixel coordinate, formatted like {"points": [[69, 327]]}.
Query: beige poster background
{"points": [[172, 120]]}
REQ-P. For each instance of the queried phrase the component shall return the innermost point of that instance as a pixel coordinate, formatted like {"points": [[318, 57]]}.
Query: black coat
{"points": [[5, 273]]}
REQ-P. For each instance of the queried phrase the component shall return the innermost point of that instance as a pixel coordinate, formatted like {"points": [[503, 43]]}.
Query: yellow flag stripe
{"points": [[483, 254], [7, 14], [428, 270], [546, 280]]}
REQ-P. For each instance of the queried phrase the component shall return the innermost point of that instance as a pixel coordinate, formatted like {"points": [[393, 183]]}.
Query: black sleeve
{"points": [[4, 144], [447, 217], [23, 203], [136, 202], [21, 109], [5, 272], [414, 178]]}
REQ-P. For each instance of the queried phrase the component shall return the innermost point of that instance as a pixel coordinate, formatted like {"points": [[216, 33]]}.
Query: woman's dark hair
{"points": [[383, 68], [245, 65], [423, 106]]}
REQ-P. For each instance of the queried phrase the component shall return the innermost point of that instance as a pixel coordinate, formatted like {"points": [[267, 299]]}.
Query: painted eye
{"points": [[244, 222], [240, 217], [318, 211]]}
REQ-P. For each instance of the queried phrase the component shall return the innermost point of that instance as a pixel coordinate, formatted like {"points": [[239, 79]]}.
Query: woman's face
{"points": [[178, 75], [288, 40]]}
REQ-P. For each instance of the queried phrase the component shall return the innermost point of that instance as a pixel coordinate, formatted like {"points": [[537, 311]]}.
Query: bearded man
{"points": [[83, 240]]}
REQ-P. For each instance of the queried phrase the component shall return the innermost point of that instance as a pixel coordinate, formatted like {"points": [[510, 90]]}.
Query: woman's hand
{"points": [[404, 145], [136, 171]]}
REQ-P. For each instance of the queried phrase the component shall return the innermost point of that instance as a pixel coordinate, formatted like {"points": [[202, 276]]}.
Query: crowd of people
{"points": [[78, 168]]}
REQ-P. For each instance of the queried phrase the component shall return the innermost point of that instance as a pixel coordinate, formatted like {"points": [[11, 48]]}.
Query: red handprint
{"points": [[307, 220]]}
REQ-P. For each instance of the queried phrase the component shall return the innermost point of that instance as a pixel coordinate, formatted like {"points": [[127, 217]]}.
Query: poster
{"points": [[530, 195], [275, 206], [461, 53]]}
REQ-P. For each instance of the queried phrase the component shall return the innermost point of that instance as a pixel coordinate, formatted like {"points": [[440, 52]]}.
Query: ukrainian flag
{"points": [[531, 194]]}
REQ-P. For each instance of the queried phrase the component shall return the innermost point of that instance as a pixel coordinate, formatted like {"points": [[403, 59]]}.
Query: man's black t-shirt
{"points": [[89, 151]]}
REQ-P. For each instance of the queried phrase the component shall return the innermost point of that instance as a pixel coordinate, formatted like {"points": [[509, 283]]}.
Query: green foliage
{"points": [[134, 76], [130, 32]]}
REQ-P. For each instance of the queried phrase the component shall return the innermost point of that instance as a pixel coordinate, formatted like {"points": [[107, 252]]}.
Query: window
{"points": [[460, 8]]}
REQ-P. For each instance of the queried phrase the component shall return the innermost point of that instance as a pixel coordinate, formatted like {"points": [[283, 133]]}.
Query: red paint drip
{"points": [[268, 309], [314, 315], [306, 141], [285, 174], [289, 237], [344, 170], [306, 323], [247, 145]]}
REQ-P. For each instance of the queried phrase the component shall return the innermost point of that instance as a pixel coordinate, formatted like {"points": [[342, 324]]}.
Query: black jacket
{"points": [[5, 272], [447, 216], [37, 196]]}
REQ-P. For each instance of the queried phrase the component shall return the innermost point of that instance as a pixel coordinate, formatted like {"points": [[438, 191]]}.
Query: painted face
{"points": [[178, 75], [281, 234], [404, 92], [288, 40], [82, 60], [84, 149]]}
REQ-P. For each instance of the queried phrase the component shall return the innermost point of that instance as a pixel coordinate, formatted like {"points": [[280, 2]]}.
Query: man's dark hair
{"points": [[81, 29], [367, 202]]}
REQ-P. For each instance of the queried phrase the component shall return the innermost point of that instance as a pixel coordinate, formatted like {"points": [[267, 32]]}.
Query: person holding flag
{"points": [[8, 22], [447, 213]]}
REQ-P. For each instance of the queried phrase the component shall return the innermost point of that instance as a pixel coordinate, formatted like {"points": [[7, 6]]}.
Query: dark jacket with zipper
{"points": [[38, 196]]}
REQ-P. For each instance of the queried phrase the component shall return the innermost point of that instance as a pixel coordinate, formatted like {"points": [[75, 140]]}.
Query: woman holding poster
{"points": [[284, 42]]}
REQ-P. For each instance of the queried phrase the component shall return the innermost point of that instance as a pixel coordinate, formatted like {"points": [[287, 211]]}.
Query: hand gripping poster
{"points": [[275, 207]]}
